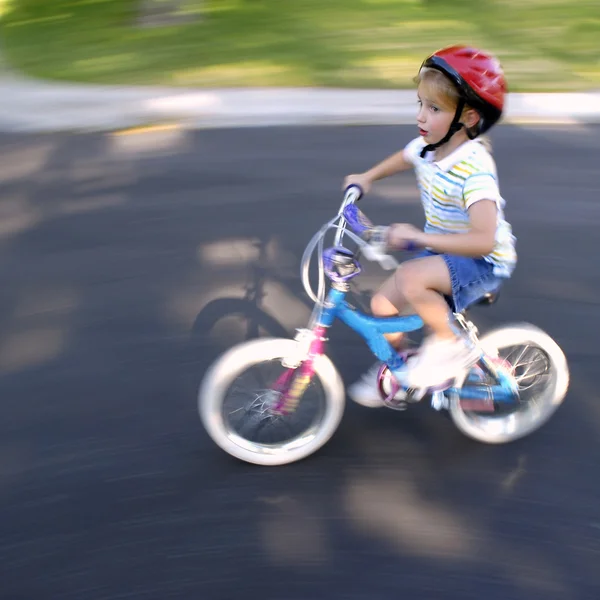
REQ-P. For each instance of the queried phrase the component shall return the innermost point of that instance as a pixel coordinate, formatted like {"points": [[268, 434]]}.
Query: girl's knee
{"points": [[410, 282]]}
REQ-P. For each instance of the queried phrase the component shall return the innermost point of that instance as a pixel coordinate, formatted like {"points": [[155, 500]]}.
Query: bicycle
{"points": [[486, 403]]}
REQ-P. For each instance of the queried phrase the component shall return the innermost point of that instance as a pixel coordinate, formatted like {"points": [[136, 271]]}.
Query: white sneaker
{"points": [[365, 391], [440, 360]]}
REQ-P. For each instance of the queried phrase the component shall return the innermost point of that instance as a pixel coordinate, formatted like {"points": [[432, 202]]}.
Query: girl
{"points": [[469, 245]]}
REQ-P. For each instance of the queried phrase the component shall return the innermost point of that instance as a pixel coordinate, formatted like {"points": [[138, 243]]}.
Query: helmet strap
{"points": [[455, 126]]}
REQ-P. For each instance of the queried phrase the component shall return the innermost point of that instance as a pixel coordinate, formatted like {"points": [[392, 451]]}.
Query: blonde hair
{"points": [[440, 86], [447, 95]]}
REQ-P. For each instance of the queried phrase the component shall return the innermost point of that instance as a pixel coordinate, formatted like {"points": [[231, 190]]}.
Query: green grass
{"points": [[544, 45]]}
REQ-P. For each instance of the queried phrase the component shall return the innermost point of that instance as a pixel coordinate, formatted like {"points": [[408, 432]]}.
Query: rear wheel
{"points": [[541, 372]]}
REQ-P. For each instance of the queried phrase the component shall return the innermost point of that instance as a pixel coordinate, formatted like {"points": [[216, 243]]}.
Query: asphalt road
{"points": [[123, 260]]}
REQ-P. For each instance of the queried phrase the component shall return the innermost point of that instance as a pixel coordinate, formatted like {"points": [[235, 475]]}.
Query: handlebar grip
{"points": [[358, 189], [411, 246]]}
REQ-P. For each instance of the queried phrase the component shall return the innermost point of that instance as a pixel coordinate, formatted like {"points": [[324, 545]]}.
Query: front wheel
{"points": [[236, 397], [541, 372]]}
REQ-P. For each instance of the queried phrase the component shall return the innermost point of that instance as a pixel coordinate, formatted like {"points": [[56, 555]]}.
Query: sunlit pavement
{"points": [[123, 260]]}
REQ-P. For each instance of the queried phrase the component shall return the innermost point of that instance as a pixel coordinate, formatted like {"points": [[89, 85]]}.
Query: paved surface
{"points": [[112, 248]]}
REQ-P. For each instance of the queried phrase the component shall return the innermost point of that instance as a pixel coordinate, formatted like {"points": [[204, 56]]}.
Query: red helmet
{"points": [[478, 78]]}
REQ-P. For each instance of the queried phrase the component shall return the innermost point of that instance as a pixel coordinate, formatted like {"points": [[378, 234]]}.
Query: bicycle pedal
{"points": [[439, 401]]}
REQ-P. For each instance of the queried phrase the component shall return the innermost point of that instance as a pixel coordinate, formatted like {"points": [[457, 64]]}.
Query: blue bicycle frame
{"points": [[372, 329]]}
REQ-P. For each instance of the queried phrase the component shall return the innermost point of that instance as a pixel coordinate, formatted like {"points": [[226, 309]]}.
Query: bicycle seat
{"points": [[486, 300]]}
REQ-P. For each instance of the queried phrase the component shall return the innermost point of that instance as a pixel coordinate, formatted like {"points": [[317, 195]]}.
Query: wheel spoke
{"points": [[251, 417], [529, 364], [538, 368], [516, 362], [529, 373]]}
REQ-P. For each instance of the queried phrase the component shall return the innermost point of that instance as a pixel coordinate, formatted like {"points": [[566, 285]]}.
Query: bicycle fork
{"points": [[292, 383]]}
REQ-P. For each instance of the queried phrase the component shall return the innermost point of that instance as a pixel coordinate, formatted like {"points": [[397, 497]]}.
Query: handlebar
{"points": [[362, 226], [371, 239], [352, 194]]}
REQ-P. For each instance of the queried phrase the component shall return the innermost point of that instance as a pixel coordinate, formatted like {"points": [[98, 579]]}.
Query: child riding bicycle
{"points": [[468, 246]]}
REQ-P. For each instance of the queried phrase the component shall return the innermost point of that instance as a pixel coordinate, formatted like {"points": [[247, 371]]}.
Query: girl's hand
{"points": [[401, 234], [360, 179]]}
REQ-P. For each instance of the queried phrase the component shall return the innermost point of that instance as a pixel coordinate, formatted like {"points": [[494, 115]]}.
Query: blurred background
{"points": [[544, 45], [130, 257]]}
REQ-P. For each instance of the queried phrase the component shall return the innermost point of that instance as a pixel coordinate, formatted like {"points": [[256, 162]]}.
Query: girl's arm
{"points": [[390, 166], [477, 242]]}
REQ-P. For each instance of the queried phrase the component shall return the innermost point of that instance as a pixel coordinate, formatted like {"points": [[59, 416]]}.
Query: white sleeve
{"points": [[481, 186], [412, 150]]}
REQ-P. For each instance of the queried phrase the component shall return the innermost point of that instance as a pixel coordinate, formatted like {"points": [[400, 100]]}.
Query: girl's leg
{"points": [[419, 286], [387, 302], [444, 355], [422, 284], [382, 306]]}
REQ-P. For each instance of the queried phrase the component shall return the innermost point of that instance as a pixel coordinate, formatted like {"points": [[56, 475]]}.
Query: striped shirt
{"points": [[452, 185]]}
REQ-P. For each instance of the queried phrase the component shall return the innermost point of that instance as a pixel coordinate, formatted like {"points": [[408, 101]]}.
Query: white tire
{"points": [[507, 428], [233, 363]]}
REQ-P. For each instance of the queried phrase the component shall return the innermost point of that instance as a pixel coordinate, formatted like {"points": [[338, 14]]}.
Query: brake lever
{"points": [[375, 248]]}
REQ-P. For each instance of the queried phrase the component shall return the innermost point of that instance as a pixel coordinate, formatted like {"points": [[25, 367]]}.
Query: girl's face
{"points": [[435, 114]]}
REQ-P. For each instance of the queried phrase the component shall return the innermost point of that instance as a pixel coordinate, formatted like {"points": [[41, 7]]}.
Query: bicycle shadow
{"points": [[226, 321]]}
